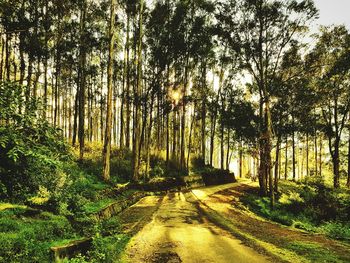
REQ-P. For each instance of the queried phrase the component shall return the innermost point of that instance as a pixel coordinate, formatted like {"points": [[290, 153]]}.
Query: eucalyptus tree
{"points": [[265, 30], [332, 77], [107, 140], [293, 112]]}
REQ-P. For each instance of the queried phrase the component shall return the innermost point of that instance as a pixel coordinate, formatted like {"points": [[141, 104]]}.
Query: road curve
{"points": [[178, 232]]}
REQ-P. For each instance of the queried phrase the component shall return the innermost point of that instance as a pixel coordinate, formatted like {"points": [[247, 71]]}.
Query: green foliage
{"points": [[159, 168], [110, 226], [337, 230], [31, 151], [107, 249], [213, 176], [121, 166], [309, 206], [157, 171]]}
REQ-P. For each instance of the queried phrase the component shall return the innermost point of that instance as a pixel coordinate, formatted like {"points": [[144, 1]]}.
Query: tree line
{"points": [[186, 79]]}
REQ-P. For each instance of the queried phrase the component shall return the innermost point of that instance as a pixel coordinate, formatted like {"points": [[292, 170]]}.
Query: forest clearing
{"points": [[174, 131]]}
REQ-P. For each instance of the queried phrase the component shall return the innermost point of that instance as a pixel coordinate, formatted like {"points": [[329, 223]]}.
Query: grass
{"points": [[314, 252], [65, 241], [308, 206], [28, 239], [94, 207]]}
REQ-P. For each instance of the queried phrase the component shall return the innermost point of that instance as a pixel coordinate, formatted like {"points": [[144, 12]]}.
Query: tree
{"points": [[138, 93], [107, 140], [331, 55], [265, 30]]}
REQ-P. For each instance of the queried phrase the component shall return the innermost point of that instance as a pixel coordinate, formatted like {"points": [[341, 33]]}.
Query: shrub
{"points": [[107, 249], [31, 150], [157, 171], [337, 230]]}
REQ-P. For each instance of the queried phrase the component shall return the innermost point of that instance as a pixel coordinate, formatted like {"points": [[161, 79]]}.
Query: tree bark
{"points": [[82, 62], [128, 102], [293, 152], [348, 180], [307, 154], [107, 142], [137, 126], [277, 163]]}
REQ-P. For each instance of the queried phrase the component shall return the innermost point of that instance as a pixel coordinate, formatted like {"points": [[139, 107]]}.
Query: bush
{"points": [[214, 176], [107, 249], [31, 151], [197, 162], [337, 230], [157, 171]]}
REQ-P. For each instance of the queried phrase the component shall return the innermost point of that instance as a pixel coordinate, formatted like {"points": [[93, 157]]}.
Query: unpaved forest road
{"points": [[178, 232]]}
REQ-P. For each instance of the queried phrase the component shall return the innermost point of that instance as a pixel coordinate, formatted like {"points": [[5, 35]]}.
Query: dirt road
{"points": [[178, 232]]}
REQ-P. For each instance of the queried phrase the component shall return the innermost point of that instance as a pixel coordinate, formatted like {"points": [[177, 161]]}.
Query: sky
{"points": [[333, 12]]}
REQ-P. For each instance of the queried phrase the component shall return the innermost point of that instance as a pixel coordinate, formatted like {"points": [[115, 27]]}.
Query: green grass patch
{"points": [[314, 252], [308, 205], [94, 207], [28, 239]]}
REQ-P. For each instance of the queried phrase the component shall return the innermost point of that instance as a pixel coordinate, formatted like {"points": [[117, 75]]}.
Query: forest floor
{"points": [[210, 224]]}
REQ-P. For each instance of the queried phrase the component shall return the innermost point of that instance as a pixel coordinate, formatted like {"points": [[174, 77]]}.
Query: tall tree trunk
{"points": [[277, 161], [293, 151], [2, 58], [107, 142], [320, 157], [174, 146], [203, 139], [36, 80], [128, 102], [76, 112], [222, 149], [307, 154], [101, 105], [228, 150], [240, 158], [23, 64], [167, 122], [137, 126], [190, 141], [335, 159], [82, 62], [286, 160], [348, 180], [7, 57], [316, 154], [29, 80], [183, 117], [268, 147], [46, 56]]}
